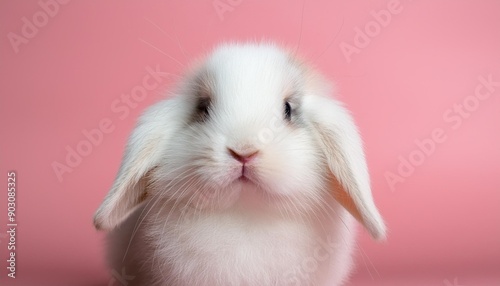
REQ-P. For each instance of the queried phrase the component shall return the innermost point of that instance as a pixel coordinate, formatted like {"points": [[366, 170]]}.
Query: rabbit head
{"points": [[248, 118]]}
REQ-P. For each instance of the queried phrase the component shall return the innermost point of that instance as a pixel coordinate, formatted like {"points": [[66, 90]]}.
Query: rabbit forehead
{"points": [[253, 75]]}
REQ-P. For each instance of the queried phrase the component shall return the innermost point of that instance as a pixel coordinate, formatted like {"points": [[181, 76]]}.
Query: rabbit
{"points": [[251, 173]]}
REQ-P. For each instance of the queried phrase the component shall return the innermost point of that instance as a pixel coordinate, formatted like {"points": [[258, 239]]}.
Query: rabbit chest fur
{"points": [[235, 247]]}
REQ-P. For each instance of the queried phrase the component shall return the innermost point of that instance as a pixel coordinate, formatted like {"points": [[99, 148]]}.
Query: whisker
{"points": [[161, 51], [138, 223], [168, 36]]}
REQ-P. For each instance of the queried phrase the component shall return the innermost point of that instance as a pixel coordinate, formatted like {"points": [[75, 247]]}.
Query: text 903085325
{"points": [[11, 223]]}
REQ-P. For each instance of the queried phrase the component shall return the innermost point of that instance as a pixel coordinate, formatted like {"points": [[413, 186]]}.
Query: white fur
{"points": [[199, 224]]}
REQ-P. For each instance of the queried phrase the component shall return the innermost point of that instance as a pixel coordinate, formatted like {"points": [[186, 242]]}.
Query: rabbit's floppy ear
{"points": [[341, 144], [142, 154]]}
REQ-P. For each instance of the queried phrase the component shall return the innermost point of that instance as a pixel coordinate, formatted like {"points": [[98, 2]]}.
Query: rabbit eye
{"points": [[203, 109], [288, 111]]}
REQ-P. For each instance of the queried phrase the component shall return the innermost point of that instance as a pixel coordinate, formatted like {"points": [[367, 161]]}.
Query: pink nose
{"points": [[243, 157]]}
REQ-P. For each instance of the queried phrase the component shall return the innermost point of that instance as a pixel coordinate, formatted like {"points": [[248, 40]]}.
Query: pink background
{"points": [[444, 218]]}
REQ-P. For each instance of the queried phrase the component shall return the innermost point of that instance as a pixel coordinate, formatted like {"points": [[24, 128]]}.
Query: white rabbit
{"points": [[245, 176]]}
